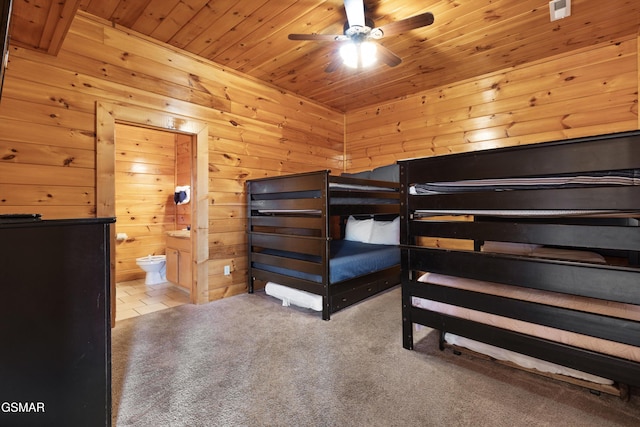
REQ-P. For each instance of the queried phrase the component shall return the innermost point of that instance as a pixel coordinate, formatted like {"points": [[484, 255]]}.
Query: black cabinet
{"points": [[55, 331]]}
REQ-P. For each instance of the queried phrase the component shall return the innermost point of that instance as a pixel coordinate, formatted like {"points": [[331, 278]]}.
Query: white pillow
{"points": [[386, 232], [358, 230]]}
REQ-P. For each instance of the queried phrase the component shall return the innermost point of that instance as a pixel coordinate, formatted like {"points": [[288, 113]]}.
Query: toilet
{"points": [[156, 268]]}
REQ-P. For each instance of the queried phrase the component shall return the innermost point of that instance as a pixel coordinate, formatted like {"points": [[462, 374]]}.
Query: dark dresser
{"points": [[55, 332]]}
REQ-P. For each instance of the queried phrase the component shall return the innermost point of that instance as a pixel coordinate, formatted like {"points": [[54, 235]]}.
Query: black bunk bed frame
{"points": [[617, 236], [298, 213]]}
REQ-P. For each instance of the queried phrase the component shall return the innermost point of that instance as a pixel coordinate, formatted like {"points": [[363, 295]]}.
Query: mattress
{"points": [[617, 178], [540, 213], [316, 194], [560, 300], [521, 359], [364, 199], [348, 260], [342, 186], [621, 310], [592, 305], [294, 296], [607, 178]]}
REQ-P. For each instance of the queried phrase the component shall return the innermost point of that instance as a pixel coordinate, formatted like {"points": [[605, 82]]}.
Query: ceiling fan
{"points": [[358, 45]]}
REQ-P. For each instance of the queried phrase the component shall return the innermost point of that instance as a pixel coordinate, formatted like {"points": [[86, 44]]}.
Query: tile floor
{"points": [[134, 298]]}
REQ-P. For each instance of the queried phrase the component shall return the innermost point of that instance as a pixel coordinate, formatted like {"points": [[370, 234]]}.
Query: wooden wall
{"points": [[48, 122], [48, 126], [593, 91]]}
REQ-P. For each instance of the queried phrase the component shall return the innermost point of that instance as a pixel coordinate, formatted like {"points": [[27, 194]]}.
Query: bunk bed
{"points": [[532, 250], [324, 241]]}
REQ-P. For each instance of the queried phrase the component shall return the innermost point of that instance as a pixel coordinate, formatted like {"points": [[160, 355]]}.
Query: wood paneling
{"points": [[467, 39], [55, 174], [254, 130], [43, 25], [591, 92]]}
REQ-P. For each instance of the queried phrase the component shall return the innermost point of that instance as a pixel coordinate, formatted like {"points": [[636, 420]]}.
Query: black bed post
{"points": [[326, 235], [634, 256], [249, 244], [405, 239]]}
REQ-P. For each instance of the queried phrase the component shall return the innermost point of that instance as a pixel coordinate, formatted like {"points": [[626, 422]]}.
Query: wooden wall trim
{"points": [[58, 23], [106, 161], [107, 115], [105, 187], [200, 217]]}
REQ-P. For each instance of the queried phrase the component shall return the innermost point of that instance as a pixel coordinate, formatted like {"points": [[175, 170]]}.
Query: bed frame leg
{"points": [[441, 341], [407, 330], [407, 334], [625, 393], [326, 310], [407, 321]]}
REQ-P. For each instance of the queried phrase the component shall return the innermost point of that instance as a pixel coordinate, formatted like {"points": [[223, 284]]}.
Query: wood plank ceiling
{"points": [[467, 39]]}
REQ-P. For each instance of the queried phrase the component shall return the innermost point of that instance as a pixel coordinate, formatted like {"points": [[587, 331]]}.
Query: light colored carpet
{"points": [[247, 361]]}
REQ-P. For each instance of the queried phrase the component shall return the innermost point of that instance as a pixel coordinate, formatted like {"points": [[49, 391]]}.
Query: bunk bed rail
{"points": [[296, 221], [447, 234]]}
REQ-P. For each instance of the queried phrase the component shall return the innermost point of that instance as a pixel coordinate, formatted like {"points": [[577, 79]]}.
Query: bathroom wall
{"points": [[146, 172]]}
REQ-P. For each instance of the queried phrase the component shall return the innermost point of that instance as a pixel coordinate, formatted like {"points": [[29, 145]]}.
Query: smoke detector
{"points": [[559, 9]]}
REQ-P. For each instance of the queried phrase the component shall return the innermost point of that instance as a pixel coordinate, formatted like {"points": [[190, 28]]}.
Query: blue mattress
{"points": [[348, 260]]}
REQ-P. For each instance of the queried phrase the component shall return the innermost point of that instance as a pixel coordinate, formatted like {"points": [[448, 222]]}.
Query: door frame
{"points": [[107, 115]]}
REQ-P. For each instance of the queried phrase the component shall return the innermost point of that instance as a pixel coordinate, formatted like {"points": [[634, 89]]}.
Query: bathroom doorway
{"points": [[108, 116], [150, 165]]}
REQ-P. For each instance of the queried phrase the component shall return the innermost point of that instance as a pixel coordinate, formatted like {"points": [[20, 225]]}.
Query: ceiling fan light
{"points": [[368, 53], [349, 54], [357, 55]]}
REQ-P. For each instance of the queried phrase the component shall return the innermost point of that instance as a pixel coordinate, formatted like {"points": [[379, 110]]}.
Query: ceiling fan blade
{"points": [[320, 37], [355, 12], [388, 57], [408, 24]]}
